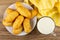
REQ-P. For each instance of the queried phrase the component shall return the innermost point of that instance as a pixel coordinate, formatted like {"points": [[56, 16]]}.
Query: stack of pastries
{"points": [[19, 18]]}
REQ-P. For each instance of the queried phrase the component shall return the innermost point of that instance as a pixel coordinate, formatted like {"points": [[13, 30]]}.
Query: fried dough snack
{"points": [[34, 12], [18, 22], [27, 25], [22, 10], [43, 5], [9, 10], [17, 31], [11, 16], [6, 23], [17, 28]]}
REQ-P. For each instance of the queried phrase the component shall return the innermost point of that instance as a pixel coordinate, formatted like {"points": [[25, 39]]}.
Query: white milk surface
{"points": [[45, 25]]}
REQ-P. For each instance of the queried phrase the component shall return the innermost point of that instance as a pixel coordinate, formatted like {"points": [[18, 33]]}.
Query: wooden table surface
{"points": [[34, 35]]}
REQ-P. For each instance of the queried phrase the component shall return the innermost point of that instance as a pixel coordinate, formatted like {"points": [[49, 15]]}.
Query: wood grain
{"points": [[34, 35]]}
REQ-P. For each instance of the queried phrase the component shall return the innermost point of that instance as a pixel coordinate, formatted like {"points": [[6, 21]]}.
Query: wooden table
{"points": [[34, 35]]}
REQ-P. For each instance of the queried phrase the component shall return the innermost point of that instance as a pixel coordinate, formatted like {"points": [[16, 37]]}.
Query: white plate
{"points": [[33, 21]]}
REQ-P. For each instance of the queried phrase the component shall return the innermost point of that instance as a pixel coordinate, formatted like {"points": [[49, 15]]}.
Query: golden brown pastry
{"points": [[17, 4], [27, 25], [22, 10], [6, 23], [9, 10], [34, 12], [17, 31], [10, 17], [18, 22], [17, 28]]}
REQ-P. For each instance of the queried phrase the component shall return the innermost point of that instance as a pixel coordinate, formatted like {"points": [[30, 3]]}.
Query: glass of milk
{"points": [[46, 25]]}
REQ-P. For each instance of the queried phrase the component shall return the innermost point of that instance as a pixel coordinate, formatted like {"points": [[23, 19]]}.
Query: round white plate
{"points": [[33, 21]]}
